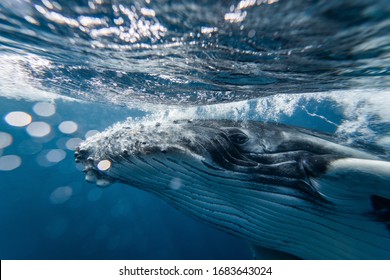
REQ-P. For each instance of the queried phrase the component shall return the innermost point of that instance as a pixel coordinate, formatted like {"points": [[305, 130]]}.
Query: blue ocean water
{"points": [[71, 68]]}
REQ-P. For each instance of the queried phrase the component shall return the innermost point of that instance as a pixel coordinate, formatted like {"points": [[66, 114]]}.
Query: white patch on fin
{"points": [[351, 182]]}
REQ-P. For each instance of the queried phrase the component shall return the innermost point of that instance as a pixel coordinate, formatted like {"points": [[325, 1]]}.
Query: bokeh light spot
{"points": [[68, 127], [91, 133], [10, 162], [44, 109], [95, 194], [55, 155], [38, 129], [175, 183], [104, 165], [56, 228], [29, 147], [5, 140], [61, 195], [72, 143], [18, 118]]}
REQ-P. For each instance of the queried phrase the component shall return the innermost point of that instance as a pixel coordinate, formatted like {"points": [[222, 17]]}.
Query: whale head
{"points": [[267, 183], [249, 149]]}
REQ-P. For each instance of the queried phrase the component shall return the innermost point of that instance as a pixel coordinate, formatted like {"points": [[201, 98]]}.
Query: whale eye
{"points": [[237, 136]]}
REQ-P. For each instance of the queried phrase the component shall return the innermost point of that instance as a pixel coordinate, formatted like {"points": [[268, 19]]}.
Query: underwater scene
{"points": [[146, 129]]}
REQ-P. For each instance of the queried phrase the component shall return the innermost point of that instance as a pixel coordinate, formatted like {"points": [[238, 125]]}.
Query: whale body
{"points": [[281, 188]]}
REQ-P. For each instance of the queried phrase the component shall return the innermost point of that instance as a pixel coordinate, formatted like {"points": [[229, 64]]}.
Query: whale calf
{"points": [[281, 188]]}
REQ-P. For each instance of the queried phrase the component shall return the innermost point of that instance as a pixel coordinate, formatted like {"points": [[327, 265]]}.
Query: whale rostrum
{"points": [[283, 188]]}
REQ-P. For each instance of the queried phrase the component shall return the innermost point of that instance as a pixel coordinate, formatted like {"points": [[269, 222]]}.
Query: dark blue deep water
{"points": [[71, 68]]}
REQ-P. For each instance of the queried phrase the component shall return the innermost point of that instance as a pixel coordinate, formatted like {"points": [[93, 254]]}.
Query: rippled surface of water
{"points": [[195, 52]]}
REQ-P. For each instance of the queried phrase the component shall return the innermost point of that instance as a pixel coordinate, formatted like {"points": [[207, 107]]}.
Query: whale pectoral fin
{"points": [[262, 253], [358, 184]]}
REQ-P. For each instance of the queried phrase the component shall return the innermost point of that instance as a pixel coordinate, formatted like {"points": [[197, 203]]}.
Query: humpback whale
{"points": [[282, 188]]}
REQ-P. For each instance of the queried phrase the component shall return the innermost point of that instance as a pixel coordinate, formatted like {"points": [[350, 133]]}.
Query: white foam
{"points": [[17, 81], [235, 110], [360, 110], [273, 107]]}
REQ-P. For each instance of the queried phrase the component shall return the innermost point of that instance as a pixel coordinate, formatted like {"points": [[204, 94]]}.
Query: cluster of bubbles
{"points": [[40, 131], [50, 140]]}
